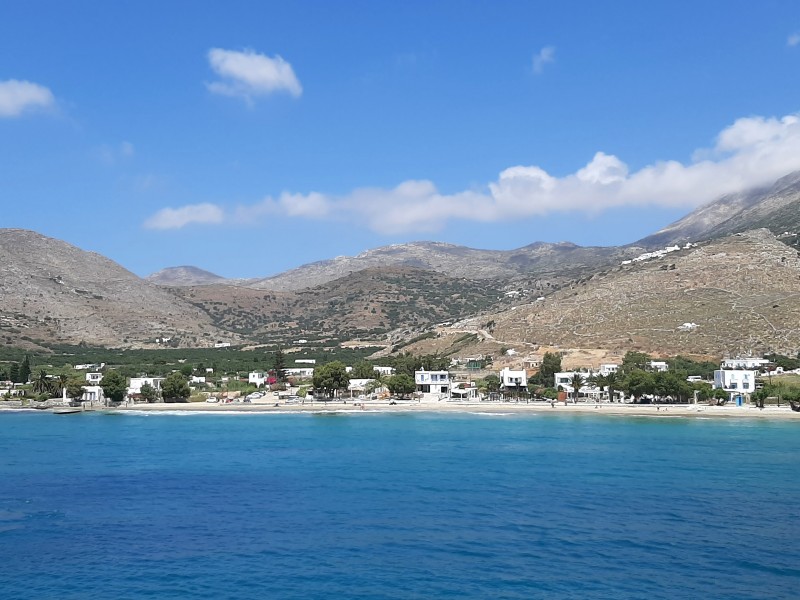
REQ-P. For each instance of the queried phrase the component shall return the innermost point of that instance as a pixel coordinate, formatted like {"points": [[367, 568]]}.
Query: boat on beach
{"points": [[66, 411]]}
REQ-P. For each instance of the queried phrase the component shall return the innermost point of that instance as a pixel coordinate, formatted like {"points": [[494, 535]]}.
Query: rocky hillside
{"points": [[735, 295], [54, 291], [539, 260], [184, 275], [367, 303], [775, 207]]}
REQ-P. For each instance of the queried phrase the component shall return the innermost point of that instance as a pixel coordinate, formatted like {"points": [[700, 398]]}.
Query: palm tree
{"points": [[42, 383], [598, 381], [576, 382], [62, 383], [612, 381]]}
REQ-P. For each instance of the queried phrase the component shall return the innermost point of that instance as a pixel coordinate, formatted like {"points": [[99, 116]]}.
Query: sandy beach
{"points": [[672, 410]]}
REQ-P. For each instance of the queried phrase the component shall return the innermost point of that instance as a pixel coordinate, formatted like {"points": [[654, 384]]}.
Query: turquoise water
{"points": [[397, 506]]}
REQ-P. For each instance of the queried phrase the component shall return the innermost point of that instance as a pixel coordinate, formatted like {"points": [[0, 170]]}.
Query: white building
{"points": [[608, 368], [358, 385], [92, 393], [432, 382], [300, 373], [383, 370], [513, 380], [257, 378], [464, 390], [563, 382], [197, 380], [737, 382], [658, 365], [94, 378], [306, 361], [136, 383], [756, 364]]}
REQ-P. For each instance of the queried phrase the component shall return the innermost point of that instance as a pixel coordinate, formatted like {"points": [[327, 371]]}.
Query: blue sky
{"points": [[251, 137]]}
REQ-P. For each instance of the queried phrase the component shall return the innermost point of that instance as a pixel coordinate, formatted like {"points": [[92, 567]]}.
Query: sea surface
{"points": [[397, 506]]}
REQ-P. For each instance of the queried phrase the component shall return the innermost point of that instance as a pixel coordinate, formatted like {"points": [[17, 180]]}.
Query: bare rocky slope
{"points": [[51, 290], [539, 260], [184, 275], [366, 304], [775, 207], [739, 295]]}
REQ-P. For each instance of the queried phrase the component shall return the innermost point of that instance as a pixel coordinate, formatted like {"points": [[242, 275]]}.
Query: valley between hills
{"points": [[730, 284]]}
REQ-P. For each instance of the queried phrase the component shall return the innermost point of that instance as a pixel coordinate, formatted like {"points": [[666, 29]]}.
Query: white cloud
{"points": [[750, 152], [545, 55], [16, 97], [176, 218], [248, 74], [793, 40]]}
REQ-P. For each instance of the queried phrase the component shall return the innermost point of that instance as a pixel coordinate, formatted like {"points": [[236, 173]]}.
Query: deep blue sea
{"points": [[397, 506]]}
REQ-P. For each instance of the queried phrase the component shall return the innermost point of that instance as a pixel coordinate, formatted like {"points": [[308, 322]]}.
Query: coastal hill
{"points": [[735, 295], [738, 291], [775, 207], [51, 290]]}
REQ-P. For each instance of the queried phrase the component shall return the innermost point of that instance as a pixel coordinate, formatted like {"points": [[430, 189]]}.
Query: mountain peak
{"points": [[184, 275]]}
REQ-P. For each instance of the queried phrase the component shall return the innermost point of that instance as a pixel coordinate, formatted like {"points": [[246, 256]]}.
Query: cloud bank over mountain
{"points": [[750, 152]]}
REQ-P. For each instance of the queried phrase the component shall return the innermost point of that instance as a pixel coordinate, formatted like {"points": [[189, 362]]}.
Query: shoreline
{"points": [[487, 408], [495, 408]]}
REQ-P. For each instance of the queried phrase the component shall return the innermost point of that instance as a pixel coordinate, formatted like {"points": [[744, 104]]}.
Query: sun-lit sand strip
{"points": [[488, 408]]}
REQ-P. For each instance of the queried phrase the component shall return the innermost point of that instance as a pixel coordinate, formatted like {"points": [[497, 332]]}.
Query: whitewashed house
{"points": [[464, 391], [755, 364], [92, 393], [511, 379], [136, 383], [386, 371], [739, 383], [658, 366], [94, 378], [563, 382], [608, 368], [300, 373], [257, 378], [432, 383]]}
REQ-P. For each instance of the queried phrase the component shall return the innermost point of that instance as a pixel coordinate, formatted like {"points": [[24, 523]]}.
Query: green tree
{"points": [[187, 371], [175, 388], [634, 361], [613, 381], [550, 393], [401, 384], [25, 370], [330, 377], [148, 392], [363, 370], [638, 383], [13, 372], [62, 380], [279, 365], [491, 383], [576, 382], [551, 364], [114, 385], [75, 389], [42, 383]]}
